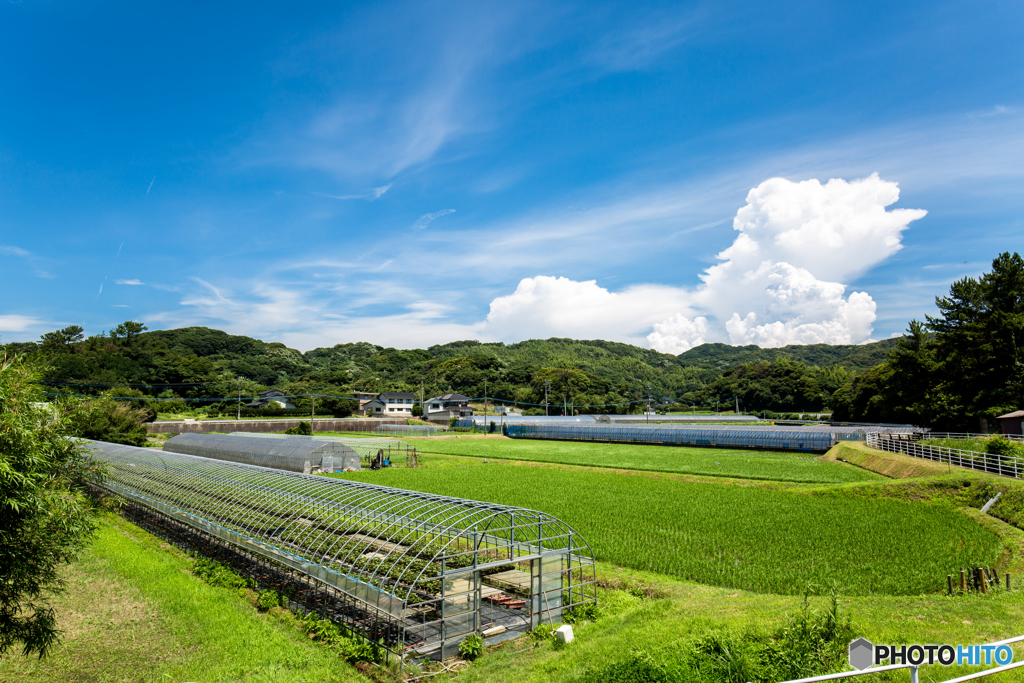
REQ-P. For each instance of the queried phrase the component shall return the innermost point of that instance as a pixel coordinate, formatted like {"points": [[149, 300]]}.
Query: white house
{"points": [[390, 404], [446, 407]]}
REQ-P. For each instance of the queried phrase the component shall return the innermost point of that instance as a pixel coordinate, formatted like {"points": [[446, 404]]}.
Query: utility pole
{"points": [[547, 385], [422, 413], [239, 398], [648, 411], [312, 412], [737, 404], [485, 405]]}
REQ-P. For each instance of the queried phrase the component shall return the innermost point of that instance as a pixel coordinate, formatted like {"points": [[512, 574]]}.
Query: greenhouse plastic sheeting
{"points": [[368, 448], [773, 439], [293, 455]]}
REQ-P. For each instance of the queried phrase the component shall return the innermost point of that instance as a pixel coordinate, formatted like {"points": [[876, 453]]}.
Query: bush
{"points": [[1000, 445], [351, 647], [581, 613], [267, 600], [302, 428], [104, 419], [216, 574], [472, 647]]}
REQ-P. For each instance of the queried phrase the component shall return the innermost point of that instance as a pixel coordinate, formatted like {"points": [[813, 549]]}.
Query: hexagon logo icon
{"points": [[861, 654]]}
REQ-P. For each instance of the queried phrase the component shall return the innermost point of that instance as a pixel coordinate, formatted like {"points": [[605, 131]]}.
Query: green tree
{"points": [[979, 343], [46, 518], [106, 419], [60, 340], [128, 330]]}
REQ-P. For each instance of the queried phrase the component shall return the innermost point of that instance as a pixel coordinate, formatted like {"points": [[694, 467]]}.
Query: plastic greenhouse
{"points": [[414, 572], [293, 455], [369, 448]]}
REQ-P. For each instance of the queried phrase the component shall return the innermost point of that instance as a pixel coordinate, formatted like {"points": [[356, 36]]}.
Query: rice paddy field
{"points": [[717, 462], [757, 538]]}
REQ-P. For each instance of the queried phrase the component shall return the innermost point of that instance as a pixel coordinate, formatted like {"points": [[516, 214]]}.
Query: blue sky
{"points": [[415, 173]]}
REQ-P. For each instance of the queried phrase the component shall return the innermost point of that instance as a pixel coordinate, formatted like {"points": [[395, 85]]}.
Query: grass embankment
{"points": [[892, 465], [134, 612], [713, 462], [755, 538]]}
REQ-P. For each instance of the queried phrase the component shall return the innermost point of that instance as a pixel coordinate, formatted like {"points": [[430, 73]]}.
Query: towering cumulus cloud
{"points": [[780, 282]]}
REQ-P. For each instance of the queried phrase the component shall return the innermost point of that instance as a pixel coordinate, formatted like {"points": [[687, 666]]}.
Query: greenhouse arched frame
{"points": [[414, 572]]}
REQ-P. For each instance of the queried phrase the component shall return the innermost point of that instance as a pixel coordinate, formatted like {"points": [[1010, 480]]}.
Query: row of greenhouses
{"points": [[421, 571], [726, 436]]}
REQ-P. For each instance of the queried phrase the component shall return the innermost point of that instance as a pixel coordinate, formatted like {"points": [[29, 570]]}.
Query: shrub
{"points": [[472, 647], [302, 428], [581, 613], [104, 419], [267, 600], [216, 574], [1000, 445], [351, 647]]}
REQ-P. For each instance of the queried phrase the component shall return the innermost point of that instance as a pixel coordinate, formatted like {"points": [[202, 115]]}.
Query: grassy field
{"points": [[718, 462], [750, 537], [133, 612]]}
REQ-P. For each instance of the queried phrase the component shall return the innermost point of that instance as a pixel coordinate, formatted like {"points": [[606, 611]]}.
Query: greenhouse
{"points": [[414, 572], [391, 451], [293, 455], [728, 436], [409, 430]]}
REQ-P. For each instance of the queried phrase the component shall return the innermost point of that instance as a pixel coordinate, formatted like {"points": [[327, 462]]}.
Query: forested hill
{"points": [[202, 363], [852, 357]]}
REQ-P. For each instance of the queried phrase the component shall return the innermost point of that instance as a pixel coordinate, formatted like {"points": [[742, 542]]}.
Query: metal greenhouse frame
{"points": [[414, 572], [293, 455]]}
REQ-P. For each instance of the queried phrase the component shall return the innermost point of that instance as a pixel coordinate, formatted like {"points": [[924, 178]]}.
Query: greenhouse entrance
{"points": [[414, 572]]}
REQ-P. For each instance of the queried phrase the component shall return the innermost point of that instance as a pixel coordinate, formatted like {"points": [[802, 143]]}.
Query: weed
{"points": [[472, 647]]}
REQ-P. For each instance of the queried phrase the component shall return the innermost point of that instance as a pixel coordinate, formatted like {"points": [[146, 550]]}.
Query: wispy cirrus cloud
{"points": [[129, 282], [373, 194], [30, 258], [426, 219], [14, 251]]}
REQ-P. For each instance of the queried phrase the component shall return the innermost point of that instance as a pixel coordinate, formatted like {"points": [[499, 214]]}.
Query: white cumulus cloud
{"points": [[546, 306], [781, 280], [17, 323]]}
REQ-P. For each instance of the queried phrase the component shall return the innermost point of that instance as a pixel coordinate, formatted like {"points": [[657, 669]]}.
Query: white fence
{"points": [[1005, 465], [970, 435]]}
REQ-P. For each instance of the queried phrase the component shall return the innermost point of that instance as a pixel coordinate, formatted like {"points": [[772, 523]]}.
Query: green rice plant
{"points": [[754, 538], [718, 462]]}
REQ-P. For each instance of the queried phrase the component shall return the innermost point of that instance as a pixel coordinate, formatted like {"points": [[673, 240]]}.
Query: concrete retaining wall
{"points": [[327, 424]]}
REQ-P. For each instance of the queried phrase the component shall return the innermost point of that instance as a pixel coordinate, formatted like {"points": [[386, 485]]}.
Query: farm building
{"points": [[271, 398], [1011, 422], [416, 572], [292, 455]]}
